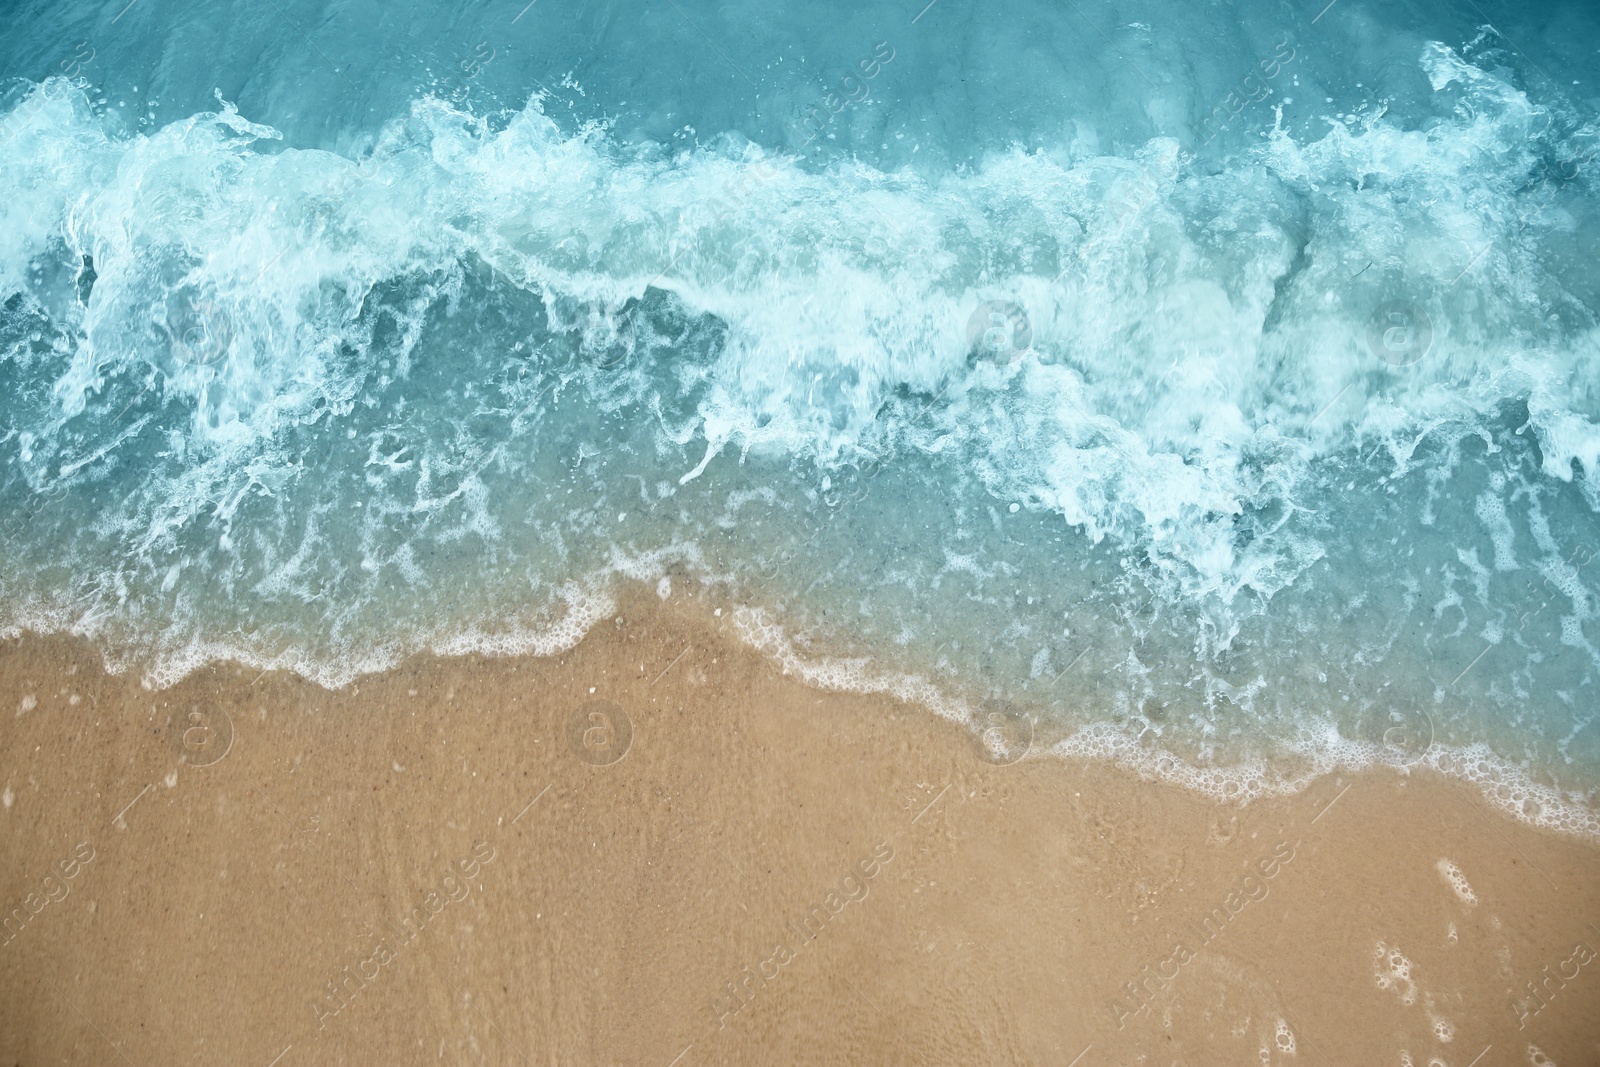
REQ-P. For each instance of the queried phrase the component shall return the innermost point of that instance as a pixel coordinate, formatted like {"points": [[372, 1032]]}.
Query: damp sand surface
{"points": [[659, 850]]}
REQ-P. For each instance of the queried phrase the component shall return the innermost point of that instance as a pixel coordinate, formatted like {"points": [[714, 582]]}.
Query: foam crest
{"points": [[758, 629], [1154, 404]]}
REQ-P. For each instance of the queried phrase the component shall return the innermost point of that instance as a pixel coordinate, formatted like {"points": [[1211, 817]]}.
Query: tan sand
{"points": [[437, 865]]}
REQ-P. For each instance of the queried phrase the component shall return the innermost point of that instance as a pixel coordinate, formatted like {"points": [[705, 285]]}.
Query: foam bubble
{"points": [[1443, 1029], [1283, 1038], [1392, 972], [1458, 882]]}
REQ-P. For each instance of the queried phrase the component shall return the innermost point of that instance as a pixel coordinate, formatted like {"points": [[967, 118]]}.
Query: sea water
{"points": [[1212, 388]]}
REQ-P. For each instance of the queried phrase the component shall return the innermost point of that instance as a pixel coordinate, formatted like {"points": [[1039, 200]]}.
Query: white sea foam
{"points": [[1154, 378], [1200, 371], [1504, 785], [757, 628], [1457, 882]]}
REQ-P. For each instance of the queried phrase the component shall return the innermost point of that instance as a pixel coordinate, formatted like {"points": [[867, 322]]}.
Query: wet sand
{"points": [[481, 861]]}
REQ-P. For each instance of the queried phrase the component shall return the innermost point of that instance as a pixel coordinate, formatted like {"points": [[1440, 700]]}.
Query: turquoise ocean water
{"points": [[1215, 384]]}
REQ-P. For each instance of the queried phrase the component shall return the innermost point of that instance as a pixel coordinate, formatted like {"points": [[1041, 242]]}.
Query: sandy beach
{"points": [[658, 850]]}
